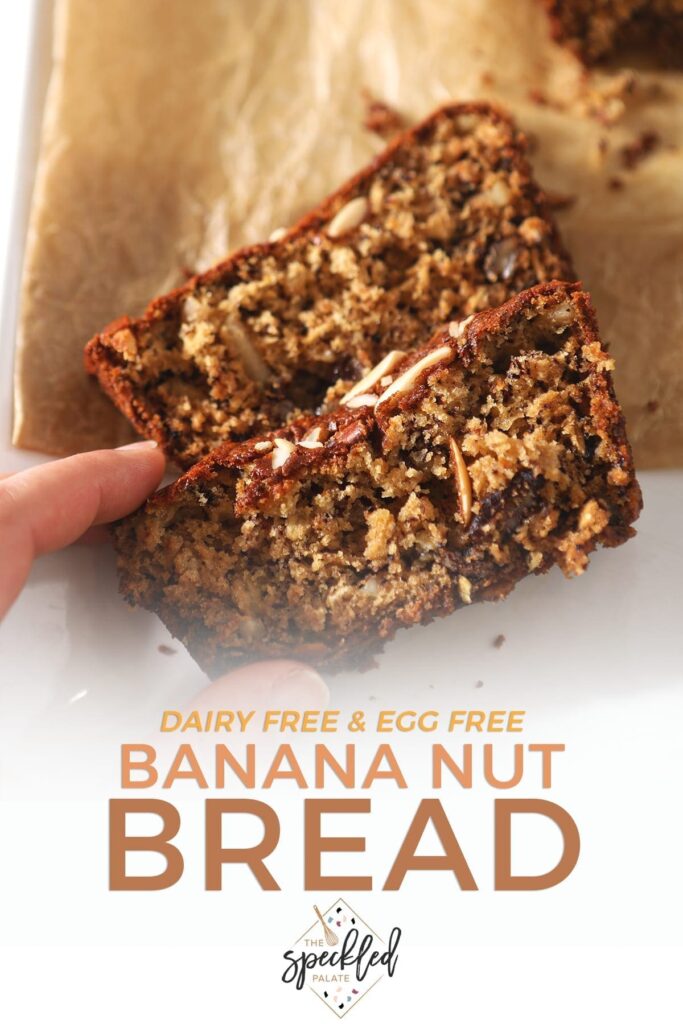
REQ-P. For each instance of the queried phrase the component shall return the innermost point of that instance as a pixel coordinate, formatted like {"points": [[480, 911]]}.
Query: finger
{"points": [[50, 506], [280, 684], [94, 536], [57, 502]]}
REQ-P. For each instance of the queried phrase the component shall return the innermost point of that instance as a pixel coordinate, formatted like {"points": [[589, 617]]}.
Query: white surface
{"points": [[596, 663]]}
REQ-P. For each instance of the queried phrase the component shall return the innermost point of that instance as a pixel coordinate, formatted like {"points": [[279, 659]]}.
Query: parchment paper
{"points": [[175, 131]]}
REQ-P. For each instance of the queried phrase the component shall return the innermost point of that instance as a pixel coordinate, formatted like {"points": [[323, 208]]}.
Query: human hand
{"points": [[51, 506]]}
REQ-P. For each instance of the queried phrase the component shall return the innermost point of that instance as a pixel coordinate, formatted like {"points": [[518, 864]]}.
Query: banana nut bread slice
{"points": [[496, 451], [596, 29], [446, 221]]}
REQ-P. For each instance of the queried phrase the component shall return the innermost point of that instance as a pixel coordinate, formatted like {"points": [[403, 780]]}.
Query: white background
{"points": [[596, 663]]}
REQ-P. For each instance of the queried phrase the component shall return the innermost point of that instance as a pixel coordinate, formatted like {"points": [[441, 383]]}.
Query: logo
{"points": [[340, 958]]}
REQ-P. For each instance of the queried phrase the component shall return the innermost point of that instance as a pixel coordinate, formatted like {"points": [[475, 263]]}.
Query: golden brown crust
{"points": [[361, 530], [225, 403]]}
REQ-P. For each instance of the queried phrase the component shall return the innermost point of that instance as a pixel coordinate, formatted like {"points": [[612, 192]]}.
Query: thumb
{"points": [[264, 684]]}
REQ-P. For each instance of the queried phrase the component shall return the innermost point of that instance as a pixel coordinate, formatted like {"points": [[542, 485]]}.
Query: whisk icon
{"points": [[331, 938]]}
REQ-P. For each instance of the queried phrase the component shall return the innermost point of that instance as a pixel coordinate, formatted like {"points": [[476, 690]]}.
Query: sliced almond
{"points": [[358, 401], [263, 446], [462, 481], [311, 444], [235, 334], [349, 217], [314, 434], [457, 328], [405, 382], [283, 450], [384, 366], [277, 234]]}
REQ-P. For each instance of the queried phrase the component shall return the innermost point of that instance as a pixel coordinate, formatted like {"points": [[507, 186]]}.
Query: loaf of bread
{"points": [[444, 477], [445, 222], [597, 29]]}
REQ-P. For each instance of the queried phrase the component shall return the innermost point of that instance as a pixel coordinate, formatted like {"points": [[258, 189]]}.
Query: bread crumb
{"points": [[380, 118], [642, 146], [559, 200]]}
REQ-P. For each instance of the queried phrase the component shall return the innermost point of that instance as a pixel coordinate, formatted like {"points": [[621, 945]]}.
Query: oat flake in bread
{"points": [[446, 221], [496, 451]]}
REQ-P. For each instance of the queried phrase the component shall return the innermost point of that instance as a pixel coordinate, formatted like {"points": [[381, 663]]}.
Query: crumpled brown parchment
{"points": [[174, 132]]}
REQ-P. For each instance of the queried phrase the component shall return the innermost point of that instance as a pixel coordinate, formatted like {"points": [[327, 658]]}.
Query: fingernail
{"points": [[137, 444], [301, 688]]}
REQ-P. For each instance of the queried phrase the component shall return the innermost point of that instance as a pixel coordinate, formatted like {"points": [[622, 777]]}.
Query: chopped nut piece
{"points": [[277, 234], [358, 401], [463, 482], [124, 342], [534, 561], [376, 373], [407, 379], [349, 217], [591, 513], [465, 590], [236, 335], [311, 444], [533, 230], [263, 446], [498, 193], [457, 328], [313, 435], [283, 450]]}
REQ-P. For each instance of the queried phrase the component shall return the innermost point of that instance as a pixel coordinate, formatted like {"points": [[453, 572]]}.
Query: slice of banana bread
{"points": [[444, 477], [446, 221], [596, 29]]}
